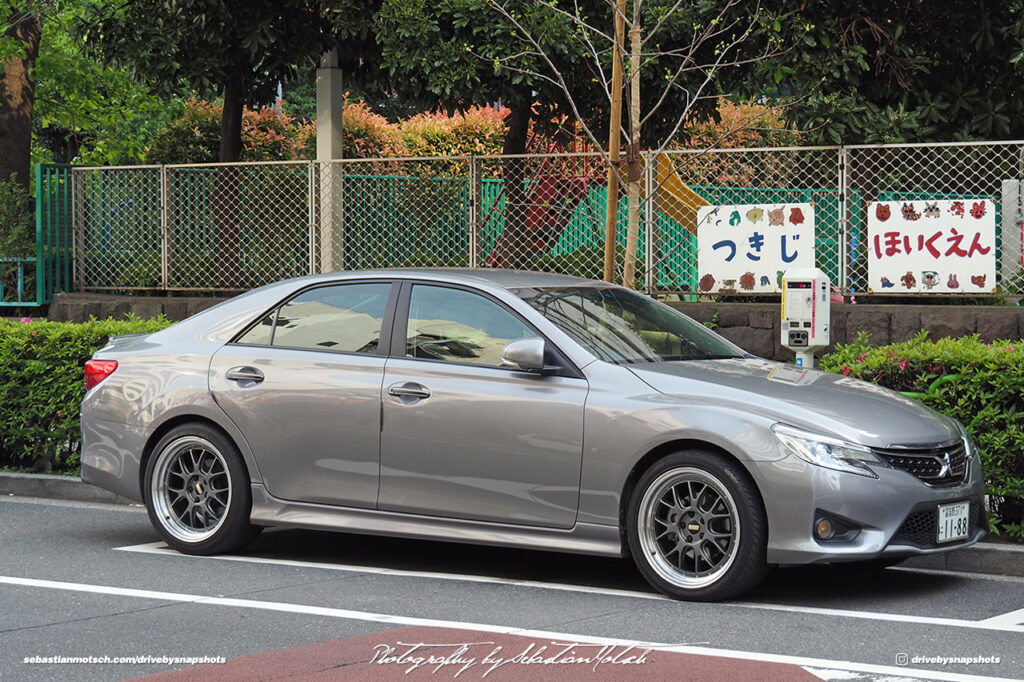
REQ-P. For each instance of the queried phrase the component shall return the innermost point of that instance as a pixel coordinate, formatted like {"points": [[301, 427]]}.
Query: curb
{"points": [[985, 557], [57, 487]]}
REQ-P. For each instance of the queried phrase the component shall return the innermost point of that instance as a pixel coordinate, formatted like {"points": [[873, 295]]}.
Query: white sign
{"points": [[941, 246], [747, 247]]}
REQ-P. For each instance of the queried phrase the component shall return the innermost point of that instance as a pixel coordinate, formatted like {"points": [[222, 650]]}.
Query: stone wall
{"points": [[79, 307], [755, 326], [752, 326]]}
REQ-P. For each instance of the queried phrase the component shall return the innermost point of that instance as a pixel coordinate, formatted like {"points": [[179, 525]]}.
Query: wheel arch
{"points": [[664, 449], [173, 423]]}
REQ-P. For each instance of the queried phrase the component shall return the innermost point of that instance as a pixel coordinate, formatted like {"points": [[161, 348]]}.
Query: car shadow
{"points": [[792, 585]]}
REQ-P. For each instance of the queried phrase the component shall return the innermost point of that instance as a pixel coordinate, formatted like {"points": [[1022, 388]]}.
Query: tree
{"points": [[875, 71], [19, 46], [238, 49], [686, 54]]}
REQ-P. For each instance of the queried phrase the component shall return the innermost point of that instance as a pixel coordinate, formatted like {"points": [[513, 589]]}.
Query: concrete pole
{"points": [[330, 105]]}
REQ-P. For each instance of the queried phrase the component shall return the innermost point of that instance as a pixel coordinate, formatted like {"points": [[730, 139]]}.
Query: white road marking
{"points": [[284, 607], [991, 624], [1011, 618]]}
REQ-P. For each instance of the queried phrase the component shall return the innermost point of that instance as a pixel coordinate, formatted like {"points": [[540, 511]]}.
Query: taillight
{"points": [[98, 370]]}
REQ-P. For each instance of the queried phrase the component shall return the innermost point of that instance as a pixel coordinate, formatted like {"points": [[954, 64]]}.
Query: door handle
{"points": [[245, 374], [409, 390]]}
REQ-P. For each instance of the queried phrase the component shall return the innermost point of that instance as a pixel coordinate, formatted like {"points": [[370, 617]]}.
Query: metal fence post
{"points": [[164, 230], [311, 214], [475, 196], [650, 220], [844, 219], [42, 191]]}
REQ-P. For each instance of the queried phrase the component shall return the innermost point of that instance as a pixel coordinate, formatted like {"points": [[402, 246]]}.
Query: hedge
{"points": [[42, 385], [979, 384]]}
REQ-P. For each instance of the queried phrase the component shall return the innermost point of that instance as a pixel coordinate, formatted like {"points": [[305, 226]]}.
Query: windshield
{"points": [[620, 326]]}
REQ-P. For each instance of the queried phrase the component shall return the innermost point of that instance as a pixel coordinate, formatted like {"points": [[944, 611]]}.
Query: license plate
{"points": [[954, 523]]}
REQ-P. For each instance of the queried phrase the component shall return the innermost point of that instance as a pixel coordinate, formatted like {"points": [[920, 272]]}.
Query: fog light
{"points": [[824, 529]]}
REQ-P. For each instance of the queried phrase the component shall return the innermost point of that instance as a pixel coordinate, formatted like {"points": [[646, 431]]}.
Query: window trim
{"points": [[387, 321], [566, 368]]}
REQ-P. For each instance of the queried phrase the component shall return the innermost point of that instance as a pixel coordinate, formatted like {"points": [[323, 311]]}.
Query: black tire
{"points": [[696, 527], [197, 492]]}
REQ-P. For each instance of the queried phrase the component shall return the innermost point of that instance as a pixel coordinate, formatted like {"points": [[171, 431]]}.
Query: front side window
{"points": [[459, 326], [621, 326], [345, 317]]}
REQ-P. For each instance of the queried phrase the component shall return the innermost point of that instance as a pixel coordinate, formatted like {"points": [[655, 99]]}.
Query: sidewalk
{"points": [[986, 557]]}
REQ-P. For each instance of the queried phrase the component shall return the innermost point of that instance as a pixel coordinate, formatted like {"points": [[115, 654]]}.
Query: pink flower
{"points": [[26, 320], [903, 366], [1010, 347], [34, 332], [860, 358], [846, 370]]}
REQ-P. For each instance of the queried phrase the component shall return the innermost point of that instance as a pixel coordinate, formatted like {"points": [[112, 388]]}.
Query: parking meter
{"points": [[806, 309]]}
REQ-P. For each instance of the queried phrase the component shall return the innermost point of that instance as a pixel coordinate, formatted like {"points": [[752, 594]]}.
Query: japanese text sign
{"points": [[747, 247], [941, 246]]}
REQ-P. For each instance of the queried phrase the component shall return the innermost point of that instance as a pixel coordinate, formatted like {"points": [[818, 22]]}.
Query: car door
{"points": [[304, 386], [463, 436]]}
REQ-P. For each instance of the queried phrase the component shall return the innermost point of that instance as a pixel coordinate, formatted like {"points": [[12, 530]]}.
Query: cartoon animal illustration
{"points": [[728, 286], [882, 212], [765, 282], [932, 210], [779, 274], [929, 278], [734, 218], [957, 209], [909, 281], [755, 215], [796, 216], [978, 281], [978, 210], [886, 284], [747, 281], [776, 216], [706, 282], [953, 283], [909, 213]]}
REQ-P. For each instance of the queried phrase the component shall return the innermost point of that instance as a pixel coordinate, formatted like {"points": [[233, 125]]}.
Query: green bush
{"points": [[42, 385], [979, 384], [17, 236]]}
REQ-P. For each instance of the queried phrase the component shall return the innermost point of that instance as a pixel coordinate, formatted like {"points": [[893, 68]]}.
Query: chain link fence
{"points": [[236, 226]]}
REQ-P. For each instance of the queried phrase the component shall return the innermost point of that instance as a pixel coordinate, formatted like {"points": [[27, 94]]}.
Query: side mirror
{"points": [[524, 354]]}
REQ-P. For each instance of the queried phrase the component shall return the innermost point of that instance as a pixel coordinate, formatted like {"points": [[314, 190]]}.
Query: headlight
{"points": [[828, 452], [969, 449]]}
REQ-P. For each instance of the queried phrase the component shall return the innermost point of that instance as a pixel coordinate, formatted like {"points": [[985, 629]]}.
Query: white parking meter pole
{"points": [[806, 310]]}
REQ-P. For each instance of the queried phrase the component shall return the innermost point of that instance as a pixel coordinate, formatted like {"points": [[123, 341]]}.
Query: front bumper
{"points": [[896, 514]]}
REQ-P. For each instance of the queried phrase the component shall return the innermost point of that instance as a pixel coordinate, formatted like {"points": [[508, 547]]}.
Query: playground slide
{"points": [[675, 199]]}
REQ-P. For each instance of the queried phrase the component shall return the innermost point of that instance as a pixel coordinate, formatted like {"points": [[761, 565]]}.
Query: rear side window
{"points": [[344, 317]]}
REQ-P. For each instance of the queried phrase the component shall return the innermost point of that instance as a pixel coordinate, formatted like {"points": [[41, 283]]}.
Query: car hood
{"points": [[826, 403]]}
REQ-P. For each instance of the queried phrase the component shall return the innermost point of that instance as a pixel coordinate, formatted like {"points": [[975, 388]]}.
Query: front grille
{"points": [[921, 528], [936, 466]]}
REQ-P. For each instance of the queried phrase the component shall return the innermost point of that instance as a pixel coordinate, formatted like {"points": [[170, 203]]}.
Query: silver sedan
{"points": [[517, 409]]}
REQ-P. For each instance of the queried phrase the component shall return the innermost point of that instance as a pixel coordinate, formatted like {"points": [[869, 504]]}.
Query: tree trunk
{"points": [[17, 92], [226, 190], [633, 190], [515, 250]]}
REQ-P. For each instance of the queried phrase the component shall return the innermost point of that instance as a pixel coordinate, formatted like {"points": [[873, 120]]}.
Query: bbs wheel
{"points": [[197, 492], [696, 527]]}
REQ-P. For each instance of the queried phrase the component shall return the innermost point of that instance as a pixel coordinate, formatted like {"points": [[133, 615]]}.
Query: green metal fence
{"points": [[31, 281]]}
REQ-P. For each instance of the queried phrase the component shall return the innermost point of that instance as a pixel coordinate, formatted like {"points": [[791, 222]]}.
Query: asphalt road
{"points": [[89, 580]]}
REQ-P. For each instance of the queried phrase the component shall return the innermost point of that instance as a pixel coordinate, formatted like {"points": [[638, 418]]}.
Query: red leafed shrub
{"points": [[478, 130]]}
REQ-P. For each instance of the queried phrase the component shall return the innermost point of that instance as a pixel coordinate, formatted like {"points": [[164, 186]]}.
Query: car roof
{"points": [[507, 279]]}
